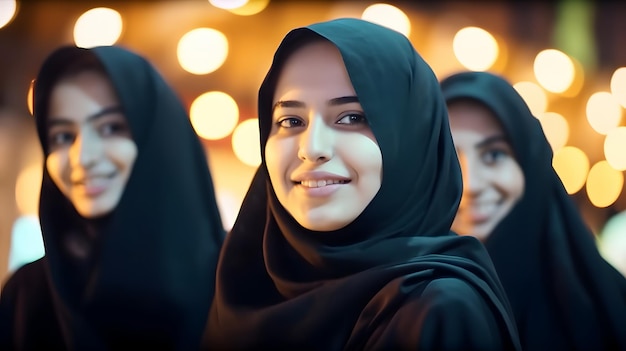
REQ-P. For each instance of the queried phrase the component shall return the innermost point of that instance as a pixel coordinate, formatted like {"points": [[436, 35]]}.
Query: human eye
{"points": [[352, 118], [58, 138], [289, 122], [115, 126], [494, 156]]}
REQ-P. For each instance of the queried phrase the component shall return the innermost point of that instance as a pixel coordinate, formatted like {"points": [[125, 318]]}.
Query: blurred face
{"points": [[322, 157], [492, 179], [91, 148]]}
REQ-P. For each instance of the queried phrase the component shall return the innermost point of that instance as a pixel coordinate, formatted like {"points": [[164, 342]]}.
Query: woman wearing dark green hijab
{"points": [[564, 295], [127, 209], [343, 240]]}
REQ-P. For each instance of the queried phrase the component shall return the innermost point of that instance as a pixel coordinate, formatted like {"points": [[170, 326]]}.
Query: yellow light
{"points": [[604, 184], [554, 70], [100, 26], [615, 148], [29, 97], [618, 85], [246, 144], [202, 50], [388, 16], [252, 7], [556, 129], [214, 115], [27, 189], [228, 4], [572, 166], [8, 9], [603, 112], [475, 48], [534, 96]]}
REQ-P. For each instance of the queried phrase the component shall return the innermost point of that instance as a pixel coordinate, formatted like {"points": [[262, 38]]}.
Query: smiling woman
{"points": [[343, 240], [129, 221]]}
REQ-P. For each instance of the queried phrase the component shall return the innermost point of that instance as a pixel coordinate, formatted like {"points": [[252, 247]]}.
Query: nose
{"points": [[473, 176], [86, 149], [316, 141]]}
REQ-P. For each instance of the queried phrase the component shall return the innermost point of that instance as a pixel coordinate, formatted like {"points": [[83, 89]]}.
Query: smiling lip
{"points": [[94, 185], [319, 184]]}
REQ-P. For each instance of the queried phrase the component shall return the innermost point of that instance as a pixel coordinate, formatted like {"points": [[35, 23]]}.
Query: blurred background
{"points": [[567, 59]]}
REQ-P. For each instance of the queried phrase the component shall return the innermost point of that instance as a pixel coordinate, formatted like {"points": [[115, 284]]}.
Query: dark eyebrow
{"points": [[491, 140], [343, 100], [90, 118], [332, 102]]}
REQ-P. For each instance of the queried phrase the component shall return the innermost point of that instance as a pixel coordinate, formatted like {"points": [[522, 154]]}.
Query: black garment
{"points": [[395, 278], [148, 279], [565, 296]]}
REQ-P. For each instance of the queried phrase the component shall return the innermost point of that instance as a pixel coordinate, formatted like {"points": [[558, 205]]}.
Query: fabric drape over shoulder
{"points": [[148, 279], [565, 296], [395, 278]]}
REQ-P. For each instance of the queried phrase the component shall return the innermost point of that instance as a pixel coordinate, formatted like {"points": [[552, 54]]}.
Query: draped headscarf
{"points": [[391, 278], [148, 279], [565, 296]]}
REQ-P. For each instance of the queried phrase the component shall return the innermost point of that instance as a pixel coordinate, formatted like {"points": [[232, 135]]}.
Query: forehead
{"points": [[473, 116], [81, 94], [314, 67]]}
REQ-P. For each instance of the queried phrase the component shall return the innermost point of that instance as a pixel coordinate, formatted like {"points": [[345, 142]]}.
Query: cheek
{"points": [[278, 155], [57, 166], [123, 153], [364, 156], [513, 180]]}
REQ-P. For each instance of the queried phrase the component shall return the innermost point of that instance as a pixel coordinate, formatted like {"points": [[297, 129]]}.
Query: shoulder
{"points": [[28, 277]]}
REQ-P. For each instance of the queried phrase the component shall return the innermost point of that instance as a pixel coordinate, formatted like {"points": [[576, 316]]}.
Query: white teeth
{"points": [[320, 183]]}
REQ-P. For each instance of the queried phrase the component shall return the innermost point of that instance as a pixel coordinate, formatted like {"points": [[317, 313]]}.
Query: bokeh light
{"points": [[615, 148], [214, 115], [534, 96], [29, 97], [612, 241], [228, 4], [27, 189], [475, 48], [100, 26], [618, 85], [556, 129], [572, 166], [252, 7], [603, 112], [8, 9], [202, 50], [246, 144], [26, 242], [388, 16], [604, 184], [554, 70]]}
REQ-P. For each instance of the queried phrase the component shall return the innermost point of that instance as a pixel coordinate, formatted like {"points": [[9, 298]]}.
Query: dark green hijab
{"points": [[148, 279], [565, 296], [371, 284]]}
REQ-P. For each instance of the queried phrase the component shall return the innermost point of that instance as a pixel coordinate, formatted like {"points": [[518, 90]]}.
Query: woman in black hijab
{"points": [[127, 209], [563, 294], [343, 240]]}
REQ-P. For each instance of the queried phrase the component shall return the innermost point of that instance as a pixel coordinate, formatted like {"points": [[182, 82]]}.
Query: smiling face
{"points": [[322, 157], [91, 151], [492, 179]]}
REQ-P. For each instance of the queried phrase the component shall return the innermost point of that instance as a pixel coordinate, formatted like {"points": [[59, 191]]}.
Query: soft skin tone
{"points": [[322, 157], [493, 181], [91, 149]]}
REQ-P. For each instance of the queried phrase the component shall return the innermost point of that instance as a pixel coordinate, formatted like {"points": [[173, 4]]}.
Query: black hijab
{"points": [[148, 279], [565, 296], [367, 285]]}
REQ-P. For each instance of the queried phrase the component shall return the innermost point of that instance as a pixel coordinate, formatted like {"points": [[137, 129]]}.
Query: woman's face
{"points": [[91, 149], [322, 157], [492, 179]]}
